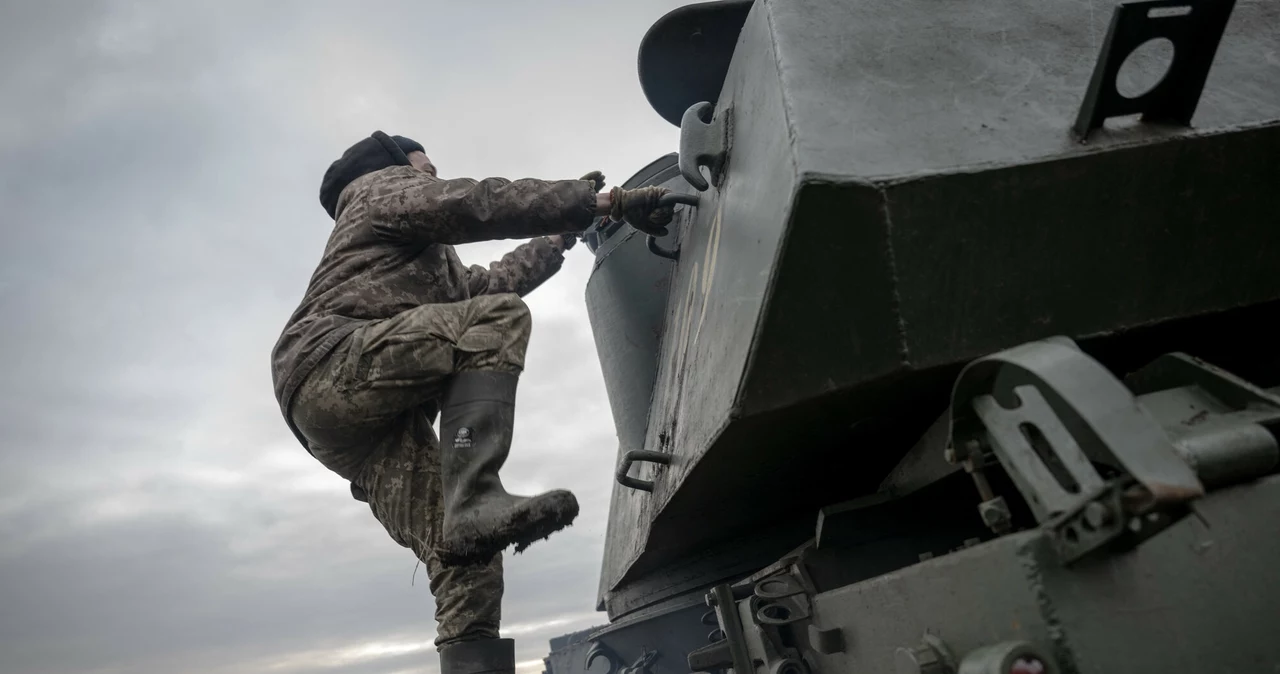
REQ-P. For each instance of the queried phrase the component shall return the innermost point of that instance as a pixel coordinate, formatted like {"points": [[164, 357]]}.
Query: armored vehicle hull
{"points": [[906, 212]]}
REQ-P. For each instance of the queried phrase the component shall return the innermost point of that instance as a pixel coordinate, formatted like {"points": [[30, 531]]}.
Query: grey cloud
{"points": [[158, 172]]}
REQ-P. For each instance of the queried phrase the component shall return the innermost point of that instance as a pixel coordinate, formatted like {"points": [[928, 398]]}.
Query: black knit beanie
{"points": [[374, 153]]}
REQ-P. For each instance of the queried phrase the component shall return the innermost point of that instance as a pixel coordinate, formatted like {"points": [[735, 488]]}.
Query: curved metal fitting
{"points": [[599, 650], [676, 198], [777, 587], [722, 597], [1049, 411], [639, 455], [672, 254], [931, 656], [703, 142], [789, 666], [1010, 657], [780, 612], [643, 664], [671, 200]]}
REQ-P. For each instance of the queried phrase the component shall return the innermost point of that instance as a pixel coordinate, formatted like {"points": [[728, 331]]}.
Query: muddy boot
{"points": [[483, 656], [480, 518]]}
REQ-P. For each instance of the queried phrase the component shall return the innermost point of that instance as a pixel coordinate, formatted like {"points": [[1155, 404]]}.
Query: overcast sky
{"points": [[159, 169]]}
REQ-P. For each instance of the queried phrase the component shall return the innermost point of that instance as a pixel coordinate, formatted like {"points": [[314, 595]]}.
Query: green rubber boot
{"points": [[480, 518], [483, 656]]}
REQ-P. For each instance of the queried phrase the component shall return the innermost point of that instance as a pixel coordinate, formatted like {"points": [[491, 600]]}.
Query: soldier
{"points": [[394, 329]]}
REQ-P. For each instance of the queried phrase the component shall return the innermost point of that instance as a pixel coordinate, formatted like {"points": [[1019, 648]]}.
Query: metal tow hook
{"points": [[633, 456], [670, 200]]}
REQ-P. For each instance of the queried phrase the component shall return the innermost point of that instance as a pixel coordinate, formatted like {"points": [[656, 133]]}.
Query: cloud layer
{"points": [[159, 164]]}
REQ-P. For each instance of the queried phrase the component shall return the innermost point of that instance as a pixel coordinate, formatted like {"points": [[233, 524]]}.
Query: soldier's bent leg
{"points": [[357, 407], [367, 413], [480, 343], [477, 418], [391, 366], [402, 481]]}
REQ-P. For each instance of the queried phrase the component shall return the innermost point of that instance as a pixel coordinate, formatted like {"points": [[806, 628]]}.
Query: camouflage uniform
{"points": [[389, 314]]}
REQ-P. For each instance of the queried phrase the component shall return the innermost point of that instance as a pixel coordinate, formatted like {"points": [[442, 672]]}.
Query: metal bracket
{"points": [[1039, 452], [930, 656], [721, 598], [778, 587], [1065, 411], [643, 664], [639, 455], [1048, 412], [599, 650], [781, 611], [1193, 26], [1089, 526], [703, 142]]}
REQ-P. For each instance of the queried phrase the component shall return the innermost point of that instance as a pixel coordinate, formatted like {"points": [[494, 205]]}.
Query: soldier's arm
{"points": [[522, 270], [426, 209]]}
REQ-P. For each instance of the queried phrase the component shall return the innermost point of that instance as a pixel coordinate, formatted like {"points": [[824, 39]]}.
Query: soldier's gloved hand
{"points": [[639, 208], [563, 241], [595, 177]]}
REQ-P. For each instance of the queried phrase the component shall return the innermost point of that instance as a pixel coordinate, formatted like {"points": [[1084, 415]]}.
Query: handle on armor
{"points": [[703, 142], [639, 455], [671, 199]]}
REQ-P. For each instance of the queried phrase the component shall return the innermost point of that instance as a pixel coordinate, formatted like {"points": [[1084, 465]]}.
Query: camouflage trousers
{"points": [[367, 412]]}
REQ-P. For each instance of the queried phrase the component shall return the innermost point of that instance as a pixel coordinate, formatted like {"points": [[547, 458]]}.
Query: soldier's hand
{"points": [[639, 208], [596, 178], [564, 241]]}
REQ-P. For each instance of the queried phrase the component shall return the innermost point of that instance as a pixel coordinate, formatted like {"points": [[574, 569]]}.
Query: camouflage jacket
{"points": [[392, 249]]}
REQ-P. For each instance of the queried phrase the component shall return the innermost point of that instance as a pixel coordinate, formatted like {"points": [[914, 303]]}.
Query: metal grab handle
{"points": [[703, 142], [673, 254], [671, 200], [639, 455]]}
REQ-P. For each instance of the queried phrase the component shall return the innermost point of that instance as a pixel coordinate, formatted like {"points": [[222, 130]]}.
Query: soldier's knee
{"points": [[511, 310], [511, 304], [498, 335]]}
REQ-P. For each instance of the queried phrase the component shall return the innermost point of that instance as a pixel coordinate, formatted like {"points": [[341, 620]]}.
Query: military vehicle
{"points": [[961, 353]]}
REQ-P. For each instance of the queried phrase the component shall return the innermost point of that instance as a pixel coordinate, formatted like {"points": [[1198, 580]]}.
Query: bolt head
{"points": [[995, 514], [1027, 665], [1098, 515], [919, 660]]}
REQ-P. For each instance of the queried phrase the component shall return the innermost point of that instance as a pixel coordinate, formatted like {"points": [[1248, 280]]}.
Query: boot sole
{"points": [[554, 512]]}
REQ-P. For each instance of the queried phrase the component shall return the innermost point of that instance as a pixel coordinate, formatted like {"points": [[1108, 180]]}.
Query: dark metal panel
{"points": [[961, 265], [626, 299], [968, 236], [568, 654], [968, 598], [851, 302], [696, 565], [655, 641], [717, 291], [660, 640], [834, 315], [1165, 233], [917, 87], [1199, 597]]}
